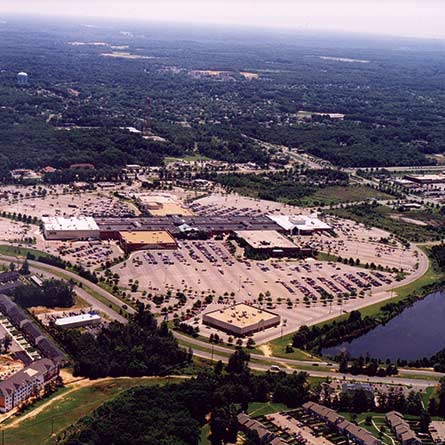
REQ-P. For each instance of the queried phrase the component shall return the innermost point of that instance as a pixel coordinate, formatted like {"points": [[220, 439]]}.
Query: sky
{"points": [[410, 18]]}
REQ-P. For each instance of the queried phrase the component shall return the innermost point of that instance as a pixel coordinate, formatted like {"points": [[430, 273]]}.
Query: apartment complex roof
{"points": [[26, 375]]}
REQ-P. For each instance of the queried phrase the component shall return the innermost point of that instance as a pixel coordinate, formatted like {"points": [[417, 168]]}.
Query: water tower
{"points": [[22, 79]]}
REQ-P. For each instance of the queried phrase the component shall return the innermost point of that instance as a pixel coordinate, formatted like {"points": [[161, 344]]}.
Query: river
{"points": [[419, 331]]}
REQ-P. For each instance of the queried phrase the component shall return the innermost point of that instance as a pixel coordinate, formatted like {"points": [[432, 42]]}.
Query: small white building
{"points": [[78, 321], [75, 228]]}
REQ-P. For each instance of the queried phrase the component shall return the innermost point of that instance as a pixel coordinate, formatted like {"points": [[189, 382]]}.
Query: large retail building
{"points": [[241, 319], [75, 228]]}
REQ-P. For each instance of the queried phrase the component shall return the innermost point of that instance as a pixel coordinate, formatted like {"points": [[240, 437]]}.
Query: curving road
{"points": [[53, 271]]}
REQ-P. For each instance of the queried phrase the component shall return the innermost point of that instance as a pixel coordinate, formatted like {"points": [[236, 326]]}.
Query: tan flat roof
{"points": [[265, 239], [147, 237], [170, 208], [241, 315]]}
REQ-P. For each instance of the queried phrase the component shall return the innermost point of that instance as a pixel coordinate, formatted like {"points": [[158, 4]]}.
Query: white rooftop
{"points": [[77, 318], [300, 222], [58, 223]]}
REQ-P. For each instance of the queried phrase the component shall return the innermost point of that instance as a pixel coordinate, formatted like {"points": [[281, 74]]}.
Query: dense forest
{"points": [[138, 348], [52, 294], [81, 95], [438, 256]]}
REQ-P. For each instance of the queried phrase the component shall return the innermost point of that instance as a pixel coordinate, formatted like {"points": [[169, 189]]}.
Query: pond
{"points": [[419, 331]]}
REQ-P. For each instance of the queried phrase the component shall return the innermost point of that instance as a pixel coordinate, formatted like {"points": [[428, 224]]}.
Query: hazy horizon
{"points": [[386, 18]]}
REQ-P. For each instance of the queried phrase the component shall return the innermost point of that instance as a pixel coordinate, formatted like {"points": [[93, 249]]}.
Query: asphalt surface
{"points": [[51, 272], [282, 362], [417, 383]]}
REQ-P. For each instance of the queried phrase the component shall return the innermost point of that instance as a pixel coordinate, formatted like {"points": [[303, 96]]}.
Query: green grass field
{"points": [[68, 410], [204, 438], [16, 251], [257, 409], [381, 216], [342, 194]]}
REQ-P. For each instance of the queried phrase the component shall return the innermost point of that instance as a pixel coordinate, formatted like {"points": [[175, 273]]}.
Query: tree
{"points": [[250, 343], [424, 422], [24, 270], [238, 362], [7, 341]]}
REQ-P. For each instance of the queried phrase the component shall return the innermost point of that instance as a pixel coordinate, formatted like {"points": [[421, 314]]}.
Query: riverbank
{"points": [[357, 323]]}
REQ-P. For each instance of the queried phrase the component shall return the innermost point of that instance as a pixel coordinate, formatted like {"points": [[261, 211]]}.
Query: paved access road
{"points": [[53, 271], [415, 383], [403, 378]]}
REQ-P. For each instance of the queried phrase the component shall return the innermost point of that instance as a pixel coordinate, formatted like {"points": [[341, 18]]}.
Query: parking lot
{"points": [[301, 291], [235, 205], [209, 266], [16, 231], [370, 245], [59, 203], [89, 254]]}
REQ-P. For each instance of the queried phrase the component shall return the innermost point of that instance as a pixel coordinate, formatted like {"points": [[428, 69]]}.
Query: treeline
{"points": [[438, 256], [138, 348], [53, 293], [170, 415], [348, 144], [436, 361], [316, 338], [69, 175], [29, 142], [47, 259], [365, 366], [58, 262], [359, 400]]}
